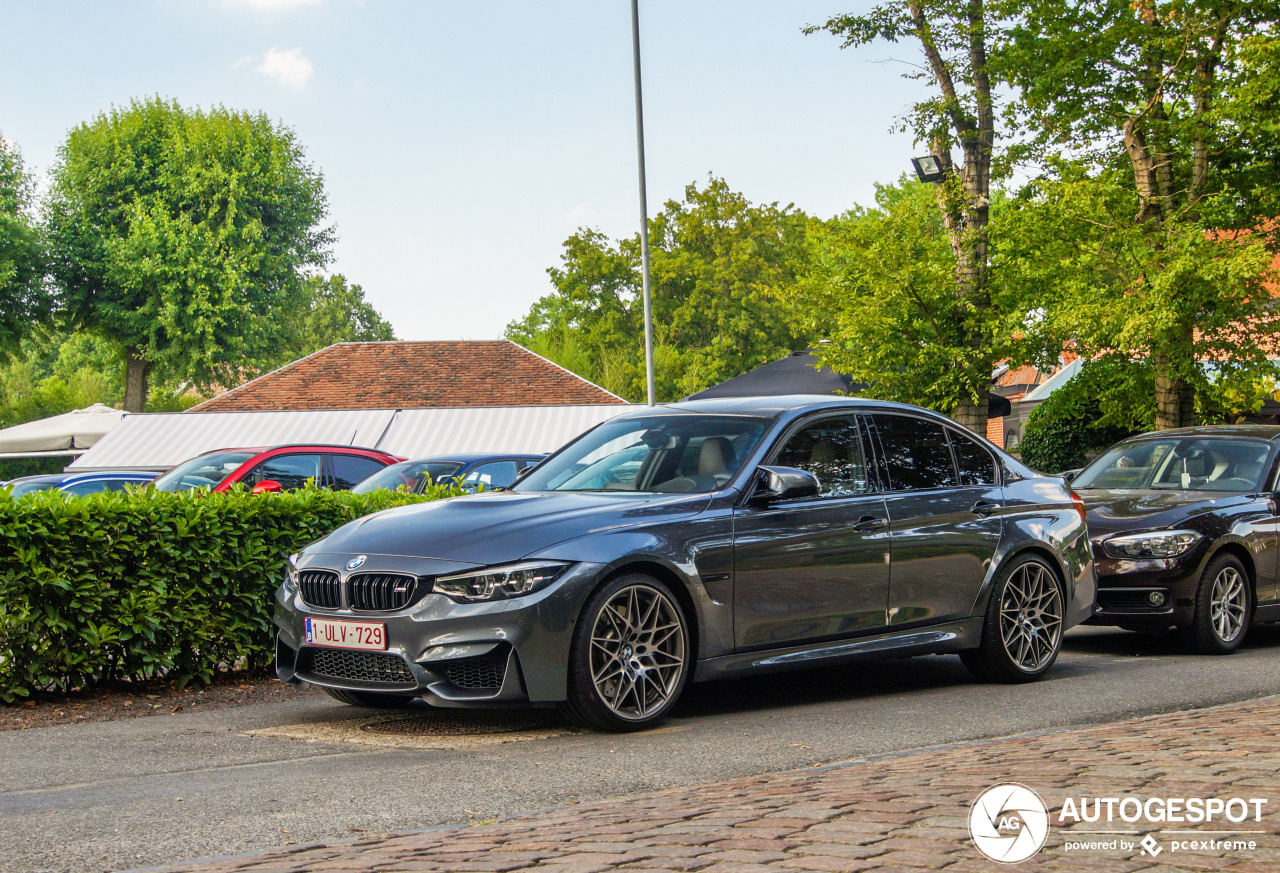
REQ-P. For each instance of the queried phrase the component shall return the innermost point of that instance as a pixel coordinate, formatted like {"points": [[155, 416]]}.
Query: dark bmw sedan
{"points": [[1184, 533], [690, 542]]}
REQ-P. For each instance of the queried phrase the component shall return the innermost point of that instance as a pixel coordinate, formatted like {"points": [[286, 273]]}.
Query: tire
{"points": [[369, 699], [630, 656], [1022, 632], [1224, 606]]}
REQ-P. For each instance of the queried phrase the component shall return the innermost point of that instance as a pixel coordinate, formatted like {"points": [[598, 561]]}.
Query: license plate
{"points": [[347, 634]]}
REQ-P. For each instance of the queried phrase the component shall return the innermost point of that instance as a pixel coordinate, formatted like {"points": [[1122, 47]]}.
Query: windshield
{"points": [[665, 453], [205, 471], [408, 474], [31, 486], [1186, 464]]}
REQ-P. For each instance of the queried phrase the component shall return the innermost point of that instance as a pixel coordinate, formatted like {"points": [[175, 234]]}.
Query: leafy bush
{"points": [[1107, 401], [140, 584]]}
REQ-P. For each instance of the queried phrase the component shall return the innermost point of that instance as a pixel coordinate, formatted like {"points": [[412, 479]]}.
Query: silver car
{"points": [[691, 542]]}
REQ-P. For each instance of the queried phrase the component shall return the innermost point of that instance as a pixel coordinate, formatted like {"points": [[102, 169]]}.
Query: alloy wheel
{"points": [[1228, 603], [637, 652], [1031, 617]]}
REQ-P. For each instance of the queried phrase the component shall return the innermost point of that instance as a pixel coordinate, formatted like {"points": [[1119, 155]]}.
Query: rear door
{"points": [[944, 521], [817, 567]]}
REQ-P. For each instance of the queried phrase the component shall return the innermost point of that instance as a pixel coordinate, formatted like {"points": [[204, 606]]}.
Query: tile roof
{"points": [[413, 375]]}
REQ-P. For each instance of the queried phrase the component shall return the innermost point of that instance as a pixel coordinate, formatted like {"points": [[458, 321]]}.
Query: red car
{"points": [[282, 468]]}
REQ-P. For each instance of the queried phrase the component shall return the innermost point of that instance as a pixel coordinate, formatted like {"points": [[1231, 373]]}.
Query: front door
{"points": [[815, 568], [944, 517]]}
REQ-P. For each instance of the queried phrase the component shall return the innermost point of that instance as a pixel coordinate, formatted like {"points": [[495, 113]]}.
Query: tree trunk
{"points": [[1175, 397], [973, 416], [137, 369]]}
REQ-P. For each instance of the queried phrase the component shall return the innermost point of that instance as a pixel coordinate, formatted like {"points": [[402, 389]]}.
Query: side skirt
{"points": [[955, 636]]}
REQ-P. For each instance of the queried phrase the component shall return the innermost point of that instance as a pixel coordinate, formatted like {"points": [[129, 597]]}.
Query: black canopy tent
{"points": [[799, 373]]}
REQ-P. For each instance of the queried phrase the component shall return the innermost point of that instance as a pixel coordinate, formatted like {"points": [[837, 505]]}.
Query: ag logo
{"points": [[354, 563], [1008, 823]]}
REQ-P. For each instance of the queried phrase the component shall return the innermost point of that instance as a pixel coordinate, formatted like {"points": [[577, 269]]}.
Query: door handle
{"points": [[983, 508], [870, 522]]}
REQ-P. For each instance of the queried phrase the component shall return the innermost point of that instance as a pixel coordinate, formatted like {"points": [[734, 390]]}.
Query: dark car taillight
{"points": [[1078, 502]]}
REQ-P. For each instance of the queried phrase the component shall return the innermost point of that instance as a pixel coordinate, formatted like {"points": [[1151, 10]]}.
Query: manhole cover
{"points": [[472, 723]]}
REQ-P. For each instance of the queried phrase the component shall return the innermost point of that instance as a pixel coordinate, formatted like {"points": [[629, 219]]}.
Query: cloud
{"points": [[268, 5], [289, 68]]}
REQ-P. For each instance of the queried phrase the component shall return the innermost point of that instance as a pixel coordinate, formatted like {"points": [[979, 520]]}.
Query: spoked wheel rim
{"points": [[637, 652], [1031, 617], [1228, 604]]}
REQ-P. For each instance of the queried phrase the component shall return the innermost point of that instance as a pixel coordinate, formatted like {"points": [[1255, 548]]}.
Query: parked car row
{"points": [[285, 468], [720, 538]]}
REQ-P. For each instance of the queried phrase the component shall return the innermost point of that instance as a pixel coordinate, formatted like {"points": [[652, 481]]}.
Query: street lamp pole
{"points": [[644, 207]]}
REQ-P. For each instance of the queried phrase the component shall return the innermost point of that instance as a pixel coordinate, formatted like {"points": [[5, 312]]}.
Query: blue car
{"points": [[79, 483], [470, 471]]}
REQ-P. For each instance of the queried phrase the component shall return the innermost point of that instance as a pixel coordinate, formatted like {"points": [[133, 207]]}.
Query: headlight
{"points": [[1155, 544], [291, 577], [498, 583]]}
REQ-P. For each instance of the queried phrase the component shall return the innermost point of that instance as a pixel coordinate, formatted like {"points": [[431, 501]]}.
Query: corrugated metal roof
{"points": [[418, 433], [157, 441]]}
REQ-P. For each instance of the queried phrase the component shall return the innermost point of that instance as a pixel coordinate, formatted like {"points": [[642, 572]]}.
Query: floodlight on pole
{"points": [[644, 208], [928, 168]]}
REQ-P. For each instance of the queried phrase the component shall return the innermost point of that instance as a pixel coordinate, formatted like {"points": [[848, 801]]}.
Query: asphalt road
{"points": [[112, 796]]}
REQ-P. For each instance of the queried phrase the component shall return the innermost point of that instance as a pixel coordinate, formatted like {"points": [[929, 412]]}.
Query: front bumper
{"points": [[507, 652], [1126, 587]]}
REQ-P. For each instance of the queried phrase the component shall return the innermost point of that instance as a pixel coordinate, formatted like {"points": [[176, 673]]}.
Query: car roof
{"points": [[64, 478], [1254, 431], [258, 450], [773, 406], [471, 457]]}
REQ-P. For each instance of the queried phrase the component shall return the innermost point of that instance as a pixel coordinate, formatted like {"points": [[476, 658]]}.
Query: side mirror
{"points": [[525, 472], [1070, 475], [267, 486], [786, 483]]}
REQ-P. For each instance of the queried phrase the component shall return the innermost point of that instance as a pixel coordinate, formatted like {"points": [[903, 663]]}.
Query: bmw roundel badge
{"points": [[356, 562]]}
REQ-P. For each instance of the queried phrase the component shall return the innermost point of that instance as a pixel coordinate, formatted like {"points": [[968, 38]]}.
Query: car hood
{"points": [[1137, 509], [500, 526]]}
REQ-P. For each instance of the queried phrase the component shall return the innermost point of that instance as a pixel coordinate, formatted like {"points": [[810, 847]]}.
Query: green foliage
{"points": [[178, 234], [882, 285], [329, 311], [23, 300], [1107, 401], [140, 584], [719, 266], [1071, 249]]}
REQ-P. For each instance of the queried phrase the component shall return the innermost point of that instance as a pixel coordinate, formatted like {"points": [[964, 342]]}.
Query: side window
{"points": [[831, 450], [495, 474], [93, 486], [291, 471], [350, 470], [977, 467], [916, 453]]}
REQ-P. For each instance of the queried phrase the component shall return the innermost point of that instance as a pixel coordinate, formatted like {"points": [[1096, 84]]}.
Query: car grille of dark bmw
{"points": [[377, 668], [321, 588], [1133, 600], [381, 591], [484, 671]]}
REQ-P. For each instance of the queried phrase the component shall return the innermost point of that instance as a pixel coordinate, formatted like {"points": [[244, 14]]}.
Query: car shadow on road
{"points": [[822, 685], [1123, 643]]}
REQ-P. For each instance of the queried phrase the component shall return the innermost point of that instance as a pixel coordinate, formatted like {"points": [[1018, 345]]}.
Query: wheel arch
{"points": [[679, 587], [1241, 552], [1039, 550]]}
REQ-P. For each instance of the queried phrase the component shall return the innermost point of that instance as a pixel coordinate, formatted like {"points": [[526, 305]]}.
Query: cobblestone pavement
{"points": [[905, 812]]}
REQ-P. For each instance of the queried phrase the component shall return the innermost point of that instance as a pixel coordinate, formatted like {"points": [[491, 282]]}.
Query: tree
{"points": [[953, 36], [23, 301], [1148, 112], [180, 233], [720, 267], [882, 282], [330, 311]]}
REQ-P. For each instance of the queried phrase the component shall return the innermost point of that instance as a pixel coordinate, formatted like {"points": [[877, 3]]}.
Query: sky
{"points": [[461, 143]]}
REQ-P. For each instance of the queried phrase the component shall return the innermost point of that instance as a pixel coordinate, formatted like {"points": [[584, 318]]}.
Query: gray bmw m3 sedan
{"points": [[694, 541]]}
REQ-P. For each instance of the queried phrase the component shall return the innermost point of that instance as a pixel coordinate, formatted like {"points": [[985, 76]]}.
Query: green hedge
{"points": [[143, 584]]}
